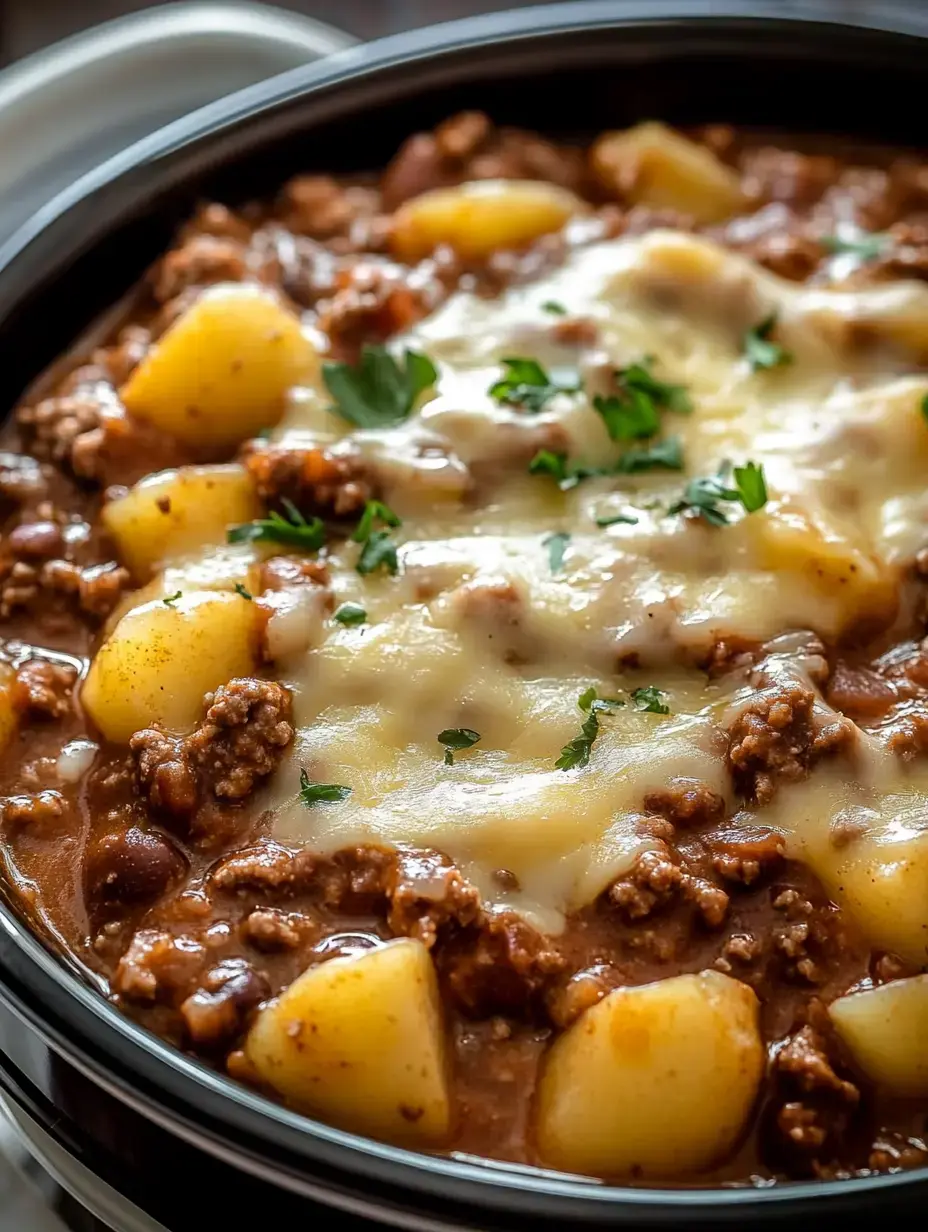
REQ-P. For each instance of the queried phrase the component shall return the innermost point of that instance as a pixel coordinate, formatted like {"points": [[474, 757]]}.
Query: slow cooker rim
{"points": [[40, 981]]}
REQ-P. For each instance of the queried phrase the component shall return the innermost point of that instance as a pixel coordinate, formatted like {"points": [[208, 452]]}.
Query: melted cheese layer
{"points": [[476, 631]]}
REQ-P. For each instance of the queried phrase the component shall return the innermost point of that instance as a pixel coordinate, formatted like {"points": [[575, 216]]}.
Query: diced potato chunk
{"points": [[787, 538], [657, 1080], [360, 1041], [222, 370], [884, 887], [477, 218], [886, 1030], [651, 164], [173, 513], [161, 658]]}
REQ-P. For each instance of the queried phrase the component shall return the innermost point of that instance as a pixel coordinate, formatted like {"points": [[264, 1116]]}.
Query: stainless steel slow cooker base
{"points": [[99, 1200]]}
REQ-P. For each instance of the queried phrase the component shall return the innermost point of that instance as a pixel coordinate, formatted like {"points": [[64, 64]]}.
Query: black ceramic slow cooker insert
{"points": [[185, 1144]]}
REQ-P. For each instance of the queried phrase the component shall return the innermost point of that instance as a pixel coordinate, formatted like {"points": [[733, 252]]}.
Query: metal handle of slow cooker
{"points": [[65, 109]]}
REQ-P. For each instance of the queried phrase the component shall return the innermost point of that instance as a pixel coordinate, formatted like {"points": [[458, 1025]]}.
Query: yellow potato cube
{"points": [[788, 539], [886, 1030], [481, 216], [657, 1080], [884, 887], [360, 1041], [171, 514], [651, 164], [162, 657], [222, 371]]}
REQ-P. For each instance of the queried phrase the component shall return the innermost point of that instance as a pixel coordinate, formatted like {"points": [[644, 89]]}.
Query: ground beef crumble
{"points": [[777, 738], [814, 1103], [322, 482], [245, 731], [44, 689]]}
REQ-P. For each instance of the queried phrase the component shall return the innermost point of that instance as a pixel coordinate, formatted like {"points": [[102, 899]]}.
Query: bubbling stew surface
{"points": [[464, 670]]}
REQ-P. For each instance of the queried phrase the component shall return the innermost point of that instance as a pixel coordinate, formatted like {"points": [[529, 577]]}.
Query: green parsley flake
{"points": [[170, 600], [633, 413], [615, 519], [631, 418], [379, 552], [924, 406], [292, 530], [867, 246], [381, 390], [554, 307], [557, 546], [662, 455], [455, 739], [705, 496], [374, 511], [526, 384], [751, 486], [649, 699], [576, 753], [312, 794], [760, 351], [350, 614], [240, 590], [639, 377]]}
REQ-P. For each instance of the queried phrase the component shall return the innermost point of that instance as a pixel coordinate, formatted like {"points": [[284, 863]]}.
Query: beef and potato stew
{"points": [[464, 670]]}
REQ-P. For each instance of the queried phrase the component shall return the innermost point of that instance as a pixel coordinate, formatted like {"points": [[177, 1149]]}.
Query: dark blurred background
{"points": [[27, 25]]}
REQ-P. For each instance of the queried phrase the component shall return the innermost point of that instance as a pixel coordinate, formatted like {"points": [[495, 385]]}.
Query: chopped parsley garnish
{"points": [[380, 390], [527, 384], [666, 455], [576, 753], [350, 614], [632, 413], [374, 511], [613, 519], [170, 600], [312, 794], [557, 546], [240, 590], [662, 455], [649, 699], [455, 739], [867, 246], [554, 307], [566, 474], [760, 350], [293, 530], [705, 496], [924, 406], [379, 550], [639, 377], [630, 418], [751, 485]]}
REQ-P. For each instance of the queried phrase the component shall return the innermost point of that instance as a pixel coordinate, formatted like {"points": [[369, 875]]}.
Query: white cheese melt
{"points": [[476, 631]]}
